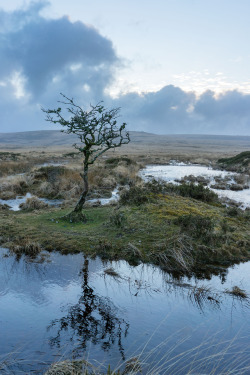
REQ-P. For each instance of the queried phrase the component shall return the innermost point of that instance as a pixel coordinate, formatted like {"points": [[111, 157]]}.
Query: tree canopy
{"points": [[98, 131]]}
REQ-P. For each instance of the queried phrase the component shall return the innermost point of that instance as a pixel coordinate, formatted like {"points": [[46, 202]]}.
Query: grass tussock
{"points": [[67, 368], [202, 294], [83, 367], [17, 185], [118, 219], [33, 203], [26, 246]]}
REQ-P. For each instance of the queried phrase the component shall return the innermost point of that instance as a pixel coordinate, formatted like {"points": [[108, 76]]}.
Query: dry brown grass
{"points": [[13, 186], [33, 203], [13, 167], [26, 246], [64, 182], [176, 253]]}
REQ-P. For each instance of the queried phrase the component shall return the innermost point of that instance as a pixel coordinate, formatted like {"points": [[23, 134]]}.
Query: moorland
{"points": [[185, 228]]}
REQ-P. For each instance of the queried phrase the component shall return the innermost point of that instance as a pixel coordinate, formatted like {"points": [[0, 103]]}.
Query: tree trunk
{"points": [[80, 203], [76, 216]]}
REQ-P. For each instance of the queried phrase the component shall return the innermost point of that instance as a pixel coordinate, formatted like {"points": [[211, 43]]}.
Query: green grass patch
{"points": [[243, 159], [177, 233]]}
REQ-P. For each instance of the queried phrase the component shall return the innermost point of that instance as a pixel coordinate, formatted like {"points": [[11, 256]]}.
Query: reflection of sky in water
{"points": [[14, 203], [171, 173], [33, 295]]}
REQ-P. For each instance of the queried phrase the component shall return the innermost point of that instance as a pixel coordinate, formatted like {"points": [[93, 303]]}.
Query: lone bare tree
{"points": [[98, 132]]}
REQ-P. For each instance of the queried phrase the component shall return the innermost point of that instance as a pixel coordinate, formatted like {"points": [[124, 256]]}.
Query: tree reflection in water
{"points": [[93, 319]]}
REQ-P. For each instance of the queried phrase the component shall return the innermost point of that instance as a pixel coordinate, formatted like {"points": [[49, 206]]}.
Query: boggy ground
{"points": [[183, 229], [152, 223], [63, 181]]}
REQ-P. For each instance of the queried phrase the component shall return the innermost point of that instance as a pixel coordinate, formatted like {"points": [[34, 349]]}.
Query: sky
{"points": [[173, 66]]}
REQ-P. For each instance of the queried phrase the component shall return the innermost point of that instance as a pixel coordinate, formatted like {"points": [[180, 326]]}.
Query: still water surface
{"points": [[67, 307], [171, 173]]}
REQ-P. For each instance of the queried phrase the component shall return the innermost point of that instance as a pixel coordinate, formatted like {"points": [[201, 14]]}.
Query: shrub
{"points": [[136, 195], [197, 226], [190, 190], [243, 158], [198, 192]]}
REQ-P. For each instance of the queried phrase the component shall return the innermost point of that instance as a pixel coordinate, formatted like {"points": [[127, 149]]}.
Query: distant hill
{"points": [[141, 143], [57, 138]]}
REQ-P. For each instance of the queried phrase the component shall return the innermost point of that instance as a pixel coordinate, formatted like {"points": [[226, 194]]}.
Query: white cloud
{"points": [[203, 81]]}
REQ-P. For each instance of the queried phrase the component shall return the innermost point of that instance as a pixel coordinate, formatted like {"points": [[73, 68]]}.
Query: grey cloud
{"points": [[42, 49], [232, 103], [52, 56], [164, 111], [174, 111], [15, 20]]}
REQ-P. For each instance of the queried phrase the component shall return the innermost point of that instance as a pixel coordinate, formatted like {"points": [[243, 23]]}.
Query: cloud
{"points": [[42, 57], [172, 110]]}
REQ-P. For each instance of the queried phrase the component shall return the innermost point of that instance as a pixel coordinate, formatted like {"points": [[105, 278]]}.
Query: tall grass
{"points": [[176, 355]]}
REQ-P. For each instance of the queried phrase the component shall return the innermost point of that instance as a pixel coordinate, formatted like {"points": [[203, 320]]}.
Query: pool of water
{"points": [[103, 201], [171, 173], [15, 203], [68, 307]]}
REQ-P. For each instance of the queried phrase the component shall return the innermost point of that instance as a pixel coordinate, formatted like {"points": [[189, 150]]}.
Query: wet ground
{"points": [[176, 172]]}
